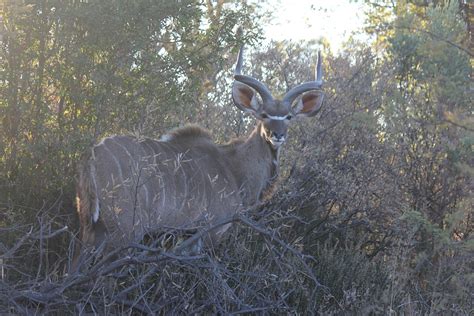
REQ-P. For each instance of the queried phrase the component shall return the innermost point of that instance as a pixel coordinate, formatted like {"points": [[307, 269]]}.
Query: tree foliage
{"points": [[76, 71]]}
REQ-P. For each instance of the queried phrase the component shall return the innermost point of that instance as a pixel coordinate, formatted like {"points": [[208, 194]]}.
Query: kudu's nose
{"points": [[278, 136]]}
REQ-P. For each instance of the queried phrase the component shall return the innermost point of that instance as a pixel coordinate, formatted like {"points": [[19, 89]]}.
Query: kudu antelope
{"points": [[129, 187]]}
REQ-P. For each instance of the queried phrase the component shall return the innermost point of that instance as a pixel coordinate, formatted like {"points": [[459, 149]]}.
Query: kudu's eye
{"points": [[289, 117], [263, 115]]}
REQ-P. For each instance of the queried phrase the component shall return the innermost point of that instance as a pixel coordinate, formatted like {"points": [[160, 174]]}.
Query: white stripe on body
{"points": [[138, 171], [96, 213]]}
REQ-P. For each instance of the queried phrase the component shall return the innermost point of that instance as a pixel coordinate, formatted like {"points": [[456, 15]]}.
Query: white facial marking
{"points": [[277, 118], [277, 142]]}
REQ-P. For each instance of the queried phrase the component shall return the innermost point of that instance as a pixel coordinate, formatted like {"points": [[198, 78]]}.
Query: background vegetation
{"points": [[374, 210]]}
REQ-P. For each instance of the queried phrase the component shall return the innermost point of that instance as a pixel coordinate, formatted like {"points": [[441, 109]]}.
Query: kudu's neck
{"points": [[257, 138], [255, 166]]}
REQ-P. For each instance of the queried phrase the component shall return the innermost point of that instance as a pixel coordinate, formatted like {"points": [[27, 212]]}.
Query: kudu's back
{"points": [[129, 187]]}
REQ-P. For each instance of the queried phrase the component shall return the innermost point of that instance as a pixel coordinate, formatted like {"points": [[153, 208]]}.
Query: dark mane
{"points": [[187, 132]]}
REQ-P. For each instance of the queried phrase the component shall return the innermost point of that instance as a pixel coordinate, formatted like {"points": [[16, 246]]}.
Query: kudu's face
{"points": [[276, 114]]}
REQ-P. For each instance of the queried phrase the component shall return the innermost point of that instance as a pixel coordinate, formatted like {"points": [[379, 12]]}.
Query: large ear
{"points": [[245, 97], [309, 104]]}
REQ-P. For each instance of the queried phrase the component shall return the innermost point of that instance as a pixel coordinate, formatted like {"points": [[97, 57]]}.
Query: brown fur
{"points": [[142, 185], [83, 203], [84, 198]]}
